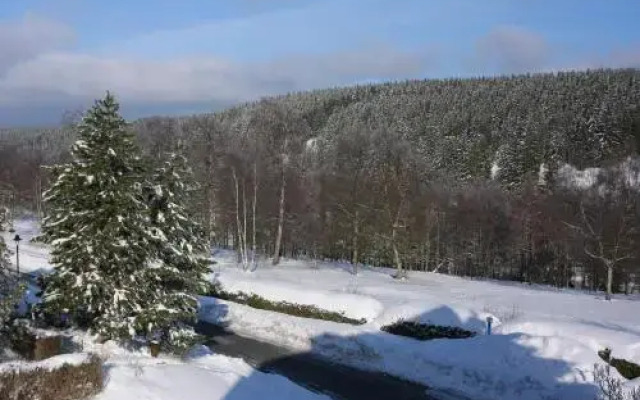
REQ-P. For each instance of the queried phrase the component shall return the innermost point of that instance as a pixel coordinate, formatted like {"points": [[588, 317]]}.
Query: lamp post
{"points": [[489, 323], [17, 239]]}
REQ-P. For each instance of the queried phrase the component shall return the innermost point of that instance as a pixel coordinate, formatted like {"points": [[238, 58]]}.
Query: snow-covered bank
{"points": [[544, 345], [135, 375], [48, 364], [378, 298], [485, 367], [204, 375]]}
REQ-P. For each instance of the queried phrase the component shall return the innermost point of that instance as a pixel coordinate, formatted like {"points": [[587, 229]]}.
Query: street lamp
{"points": [[17, 239]]}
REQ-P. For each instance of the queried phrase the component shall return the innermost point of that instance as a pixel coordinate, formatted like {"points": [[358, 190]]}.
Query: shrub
{"points": [[66, 382], [626, 368], [284, 307], [611, 388], [420, 331], [31, 343]]}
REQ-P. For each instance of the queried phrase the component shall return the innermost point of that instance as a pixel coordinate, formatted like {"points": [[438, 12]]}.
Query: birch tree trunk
{"points": [[356, 232], [278, 244], [210, 200], [38, 190], [609, 280], [400, 274], [255, 201], [245, 246], [239, 245]]}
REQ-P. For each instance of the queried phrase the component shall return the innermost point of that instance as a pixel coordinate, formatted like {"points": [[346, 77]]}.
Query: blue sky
{"points": [[165, 56]]}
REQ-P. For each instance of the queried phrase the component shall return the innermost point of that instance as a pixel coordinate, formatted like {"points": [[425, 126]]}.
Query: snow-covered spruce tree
{"points": [[98, 228], [182, 252], [10, 290]]}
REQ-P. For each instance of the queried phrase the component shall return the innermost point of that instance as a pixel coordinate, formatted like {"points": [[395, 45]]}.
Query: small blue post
{"points": [[489, 322], [64, 319]]}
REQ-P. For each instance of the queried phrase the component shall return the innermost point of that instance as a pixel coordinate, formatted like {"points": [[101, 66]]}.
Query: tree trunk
{"points": [[400, 274], [209, 197], [437, 255], [39, 195], [239, 244], [609, 280], [356, 232], [244, 227], [255, 201], [427, 242], [276, 252]]}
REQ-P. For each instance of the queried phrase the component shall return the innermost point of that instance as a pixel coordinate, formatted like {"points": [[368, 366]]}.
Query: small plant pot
{"points": [[154, 348]]}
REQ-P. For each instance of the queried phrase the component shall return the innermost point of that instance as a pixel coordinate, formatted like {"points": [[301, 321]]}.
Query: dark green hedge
{"points": [[626, 368], [284, 307], [420, 331]]}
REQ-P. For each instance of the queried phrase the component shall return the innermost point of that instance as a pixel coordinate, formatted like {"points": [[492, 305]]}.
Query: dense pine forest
{"points": [[530, 178]]}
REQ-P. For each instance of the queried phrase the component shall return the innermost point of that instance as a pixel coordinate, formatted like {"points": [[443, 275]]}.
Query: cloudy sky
{"points": [[182, 56]]}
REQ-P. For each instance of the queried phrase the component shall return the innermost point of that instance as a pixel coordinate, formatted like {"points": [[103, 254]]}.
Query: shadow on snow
{"points": [[358, 366]]}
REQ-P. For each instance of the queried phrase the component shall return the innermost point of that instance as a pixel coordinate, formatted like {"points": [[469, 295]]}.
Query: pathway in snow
{"points": [[311, 371]]}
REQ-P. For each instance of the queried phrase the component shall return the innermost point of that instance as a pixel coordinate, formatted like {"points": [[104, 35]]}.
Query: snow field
{"points": [[544, 345], [135, 375]]}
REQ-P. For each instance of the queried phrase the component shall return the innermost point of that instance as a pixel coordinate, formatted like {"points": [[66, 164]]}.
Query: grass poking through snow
{"points": [[284, 307]]}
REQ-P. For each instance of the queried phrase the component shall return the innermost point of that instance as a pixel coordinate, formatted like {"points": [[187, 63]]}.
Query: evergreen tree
{"points": [[98, 228], [182, 251], [10, 291]]}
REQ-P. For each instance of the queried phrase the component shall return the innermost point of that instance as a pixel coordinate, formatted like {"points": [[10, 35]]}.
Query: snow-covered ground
{"points": [[138, 376], [544, 345], [48, 364], [34, 257]]}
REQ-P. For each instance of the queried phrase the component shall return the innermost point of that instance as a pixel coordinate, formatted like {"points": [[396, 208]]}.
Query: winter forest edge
{"points": [[527, 178]]}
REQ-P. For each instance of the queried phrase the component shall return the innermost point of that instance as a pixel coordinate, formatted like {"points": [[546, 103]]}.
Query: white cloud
{"points": [[29, 37], [197, 79], [39, 66], [513, 49], [620, 58]]}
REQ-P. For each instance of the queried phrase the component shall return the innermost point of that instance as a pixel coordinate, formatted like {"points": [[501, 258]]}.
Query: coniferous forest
{"points": [[530, 178]]}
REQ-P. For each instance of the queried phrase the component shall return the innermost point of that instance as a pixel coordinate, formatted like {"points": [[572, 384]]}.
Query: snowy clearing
{"points": [[137, 376], [544, 345]]}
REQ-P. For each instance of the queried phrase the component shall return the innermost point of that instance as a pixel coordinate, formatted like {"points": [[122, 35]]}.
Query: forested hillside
{"points": [[465, 176]]}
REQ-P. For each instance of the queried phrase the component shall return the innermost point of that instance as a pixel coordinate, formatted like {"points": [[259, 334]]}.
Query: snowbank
{"points": [[134, 376], [544, 345], [48, 364], [351, 305], [499, 366]]}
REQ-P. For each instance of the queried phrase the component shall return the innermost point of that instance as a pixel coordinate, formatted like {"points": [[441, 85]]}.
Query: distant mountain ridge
{"points": [[463, 128]]}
